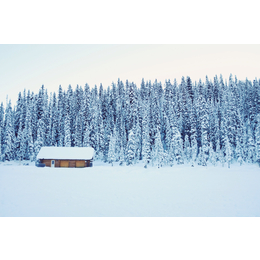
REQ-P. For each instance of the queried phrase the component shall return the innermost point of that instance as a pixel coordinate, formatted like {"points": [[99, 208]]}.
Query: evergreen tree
{"points": [[131, 148], [204, 133], [158, 154], [122, 157], [111, 151], [187, 149], [78, 131], [176, 149], [55, 120], [0, 143], [218, 151], [228, 151], [250, 146], [212, 156], [146, 154], [257, 139], [67, 139], [9, 137], [40, 137], [86, 142], [238, 151], [61, 117]]}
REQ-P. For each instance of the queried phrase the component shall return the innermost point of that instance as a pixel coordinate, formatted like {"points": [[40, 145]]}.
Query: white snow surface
{"points": [[129, 191], [63, 153]]}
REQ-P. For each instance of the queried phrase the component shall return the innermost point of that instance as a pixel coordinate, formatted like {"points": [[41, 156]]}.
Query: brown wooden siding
{"points": [[57, 163], [66, 163], [80, 164], [47, 163]]}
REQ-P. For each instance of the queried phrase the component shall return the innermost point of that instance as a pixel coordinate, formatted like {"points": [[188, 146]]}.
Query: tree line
{"points": [[200, 123]]}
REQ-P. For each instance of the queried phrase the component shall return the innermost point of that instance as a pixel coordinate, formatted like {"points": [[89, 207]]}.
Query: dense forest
{"points": [[200, 123]]}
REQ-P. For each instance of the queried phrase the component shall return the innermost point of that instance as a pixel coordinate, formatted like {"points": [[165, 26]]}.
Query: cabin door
{"points": [[52, 163]]}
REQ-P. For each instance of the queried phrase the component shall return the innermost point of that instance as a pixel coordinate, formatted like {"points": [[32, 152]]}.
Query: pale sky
{"points": [[30, 66]]}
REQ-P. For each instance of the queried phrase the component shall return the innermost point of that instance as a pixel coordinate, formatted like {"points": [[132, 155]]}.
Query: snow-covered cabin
{"points": [[66, 156]]}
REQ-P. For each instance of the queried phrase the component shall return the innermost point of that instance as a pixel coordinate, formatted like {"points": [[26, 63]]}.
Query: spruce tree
{"points": [[9, 136], [238, 151], [111, 151], [40, 137], [176, 149], [86, 142], [257, 139], [67, 138], [131, 149], [212, 155], [122, 156], [228, 151], [250, 146], [158, 153], [0, 143], [187, 149]]}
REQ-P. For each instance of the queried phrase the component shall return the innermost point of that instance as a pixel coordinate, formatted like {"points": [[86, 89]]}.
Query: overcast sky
{"points": [[30, 66]]}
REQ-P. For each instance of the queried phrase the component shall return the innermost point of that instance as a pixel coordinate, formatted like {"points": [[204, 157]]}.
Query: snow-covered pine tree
{"points": [[257, 139], [9, 136], [245, 146], [138, 131], [55, 119], [40, 137], [86, 142], [176, 149], [199, 157], [0, 142], [93, 127], [146, 151], [204, 133], [239, 140], [122, 156], [19, 143], [18, 114], [78, 131], [67, 138], [101, 148], [167, 134], [158, 153], [189, 88], [131, 149], [49, 123], [218, 152], [187, 149], [250, 146], [72, 113], [238, 151], [193, 136], [212, 155], [61, 117], [228, 151], [194, 150], [185, 108], [112, 150]]}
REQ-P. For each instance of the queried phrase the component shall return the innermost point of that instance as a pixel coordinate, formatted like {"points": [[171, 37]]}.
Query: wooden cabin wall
{"points": [[46, 162], [66, 163]]}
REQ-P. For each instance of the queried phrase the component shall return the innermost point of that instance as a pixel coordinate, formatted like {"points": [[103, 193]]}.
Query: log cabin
{"points": [[69, 157]]}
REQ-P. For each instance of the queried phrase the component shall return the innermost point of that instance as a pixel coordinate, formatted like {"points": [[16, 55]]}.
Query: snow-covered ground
{"points": [[130, 191]]}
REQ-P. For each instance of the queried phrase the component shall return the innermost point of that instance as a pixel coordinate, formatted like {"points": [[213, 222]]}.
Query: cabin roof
{"points": [[66, 153]]}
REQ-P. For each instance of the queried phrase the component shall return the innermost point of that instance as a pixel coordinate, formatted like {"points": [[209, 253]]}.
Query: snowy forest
{"points": [[214, 122]]}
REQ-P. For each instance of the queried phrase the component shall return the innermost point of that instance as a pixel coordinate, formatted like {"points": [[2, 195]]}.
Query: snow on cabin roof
{"points": [[66, 153]]}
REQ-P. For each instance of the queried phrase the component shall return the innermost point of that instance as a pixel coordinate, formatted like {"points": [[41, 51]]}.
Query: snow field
{"points": [[129, 191]]}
